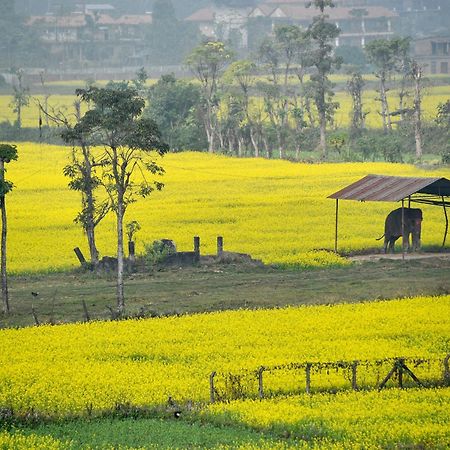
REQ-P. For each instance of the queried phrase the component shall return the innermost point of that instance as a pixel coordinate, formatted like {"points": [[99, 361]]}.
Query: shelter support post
{"points": [[403, 229], [446, 221], [336, 227]]}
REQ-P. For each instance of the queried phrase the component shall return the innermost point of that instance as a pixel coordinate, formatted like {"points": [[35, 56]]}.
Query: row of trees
{"points": [[241, 110]]}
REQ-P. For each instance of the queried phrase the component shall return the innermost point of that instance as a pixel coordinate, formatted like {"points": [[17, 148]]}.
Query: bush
{"points": [[158, 252], [374, 144]]}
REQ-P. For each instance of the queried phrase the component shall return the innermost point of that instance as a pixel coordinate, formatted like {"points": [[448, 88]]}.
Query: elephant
{"points": [[393, 228]]}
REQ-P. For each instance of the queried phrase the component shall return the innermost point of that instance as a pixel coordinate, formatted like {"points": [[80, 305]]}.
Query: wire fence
{"points": [[314, 377]]}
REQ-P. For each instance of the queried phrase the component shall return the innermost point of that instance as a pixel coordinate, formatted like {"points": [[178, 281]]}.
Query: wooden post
{"points": [[212, 390], [80, 256], [400, 364], [219, 245], [354, 375], [36, 320], [131, 250], [388, 376], [308, 378], [403, 229], [447, 369], [86, 313], [446, 222], [260, 382], [197, 247], [336, 227], [411, 374]]}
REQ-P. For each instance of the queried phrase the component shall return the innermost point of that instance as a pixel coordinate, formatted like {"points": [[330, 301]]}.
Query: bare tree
{"points": [[21, 96]]}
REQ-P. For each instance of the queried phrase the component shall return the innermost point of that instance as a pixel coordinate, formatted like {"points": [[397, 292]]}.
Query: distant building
{"points": [[433, 54], [358, 23], [223, 22], [79, 38]]}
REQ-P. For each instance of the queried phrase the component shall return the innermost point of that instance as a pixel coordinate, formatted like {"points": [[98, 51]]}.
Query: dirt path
{"points": [[399, 256]]}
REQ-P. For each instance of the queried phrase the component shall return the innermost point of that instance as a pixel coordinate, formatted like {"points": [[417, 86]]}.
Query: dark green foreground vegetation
{"points": [[151, 433]]}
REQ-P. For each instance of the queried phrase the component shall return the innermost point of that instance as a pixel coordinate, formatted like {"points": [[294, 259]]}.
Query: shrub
{"points": [[157, 252]]}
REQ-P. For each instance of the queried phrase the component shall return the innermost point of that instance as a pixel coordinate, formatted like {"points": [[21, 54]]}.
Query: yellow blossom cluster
{"points": [[20, 441], [276, 211], [74, 369]]}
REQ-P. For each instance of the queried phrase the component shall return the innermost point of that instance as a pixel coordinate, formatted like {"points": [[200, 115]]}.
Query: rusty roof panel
{"points": [[391, 189]]}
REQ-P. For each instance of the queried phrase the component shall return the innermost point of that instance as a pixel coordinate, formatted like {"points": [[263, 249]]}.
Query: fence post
{"points": [[197, 247], [354, 375], [86, 312], [131, 251], [80, 256], [212, 391], [219, 245], [400, 363], [308, 378], [260, 382], [35, 317]]}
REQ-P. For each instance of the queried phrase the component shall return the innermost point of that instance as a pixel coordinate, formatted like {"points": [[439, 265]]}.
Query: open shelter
{"points": [[382, 188]]}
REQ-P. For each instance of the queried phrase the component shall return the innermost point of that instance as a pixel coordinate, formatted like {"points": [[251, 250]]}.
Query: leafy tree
{"points": [[443, 122], [207, 62], [174, 105], [8, 153], [83, 177], [130, 143], [279, 54], [322, 34], [385, 55], [355, 87], [242, 75]]}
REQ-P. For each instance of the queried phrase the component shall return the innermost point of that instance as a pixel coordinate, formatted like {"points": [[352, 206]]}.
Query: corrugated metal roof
{"points": [[391, 189]]}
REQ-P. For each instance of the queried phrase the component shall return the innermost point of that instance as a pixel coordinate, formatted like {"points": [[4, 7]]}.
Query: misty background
{"points": [[72, 34]]}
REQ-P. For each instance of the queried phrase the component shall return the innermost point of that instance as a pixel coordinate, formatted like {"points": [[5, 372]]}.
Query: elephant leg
{"points": [[406, 242], [391, 245]]}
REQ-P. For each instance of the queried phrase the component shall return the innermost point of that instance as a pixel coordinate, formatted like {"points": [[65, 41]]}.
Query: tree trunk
{"points": [[120, 255], [254, 142], [323, 137], [90, 233], [19, 116], [417, 74], [387, 126], [280, 142], [5, 295], [89, 193], [240, 146], [210, 130], [267, 148]]}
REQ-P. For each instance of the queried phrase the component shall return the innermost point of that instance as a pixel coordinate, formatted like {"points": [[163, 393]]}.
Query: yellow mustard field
{"points": [[74, 369], [349, 420], [432, 97], [277, 211]]}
